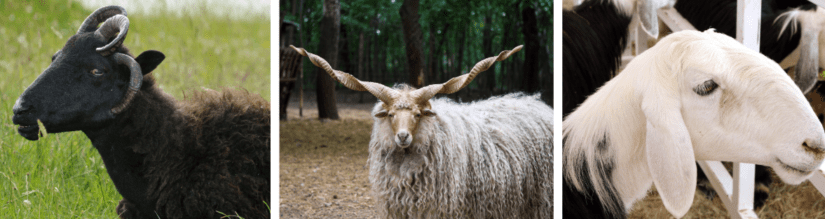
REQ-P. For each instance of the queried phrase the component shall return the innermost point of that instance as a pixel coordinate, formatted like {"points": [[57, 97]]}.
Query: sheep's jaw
{"points": [[30, 132]]}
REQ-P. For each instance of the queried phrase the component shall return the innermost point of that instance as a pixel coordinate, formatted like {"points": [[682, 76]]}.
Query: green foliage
{"points": [[455, 22], [62, 175]]}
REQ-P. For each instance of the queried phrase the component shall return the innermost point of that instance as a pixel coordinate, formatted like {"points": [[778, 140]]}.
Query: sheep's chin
{"points": [[791, 174]]}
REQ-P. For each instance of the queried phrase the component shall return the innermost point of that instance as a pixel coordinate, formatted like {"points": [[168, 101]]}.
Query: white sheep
{"points": [[693, 96], [441, 159]]}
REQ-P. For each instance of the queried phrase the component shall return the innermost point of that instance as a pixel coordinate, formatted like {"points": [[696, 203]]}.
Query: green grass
{"points": [[62, 176]]}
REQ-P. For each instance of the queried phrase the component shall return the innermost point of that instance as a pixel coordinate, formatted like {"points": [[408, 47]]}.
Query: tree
{"points": [[328, 48], [412, 38], [531, 47]]}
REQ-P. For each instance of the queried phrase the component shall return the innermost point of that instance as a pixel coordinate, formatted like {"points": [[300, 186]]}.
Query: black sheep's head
{"points": [[90, 80]]}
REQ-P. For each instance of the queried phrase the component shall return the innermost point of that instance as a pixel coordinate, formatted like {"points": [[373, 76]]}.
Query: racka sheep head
{"points": [[405, 106]]}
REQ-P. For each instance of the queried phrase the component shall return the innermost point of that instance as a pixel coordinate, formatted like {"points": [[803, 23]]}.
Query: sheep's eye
{"points": [[96, 72], [706, 88], [417, 115], [391, 115]]}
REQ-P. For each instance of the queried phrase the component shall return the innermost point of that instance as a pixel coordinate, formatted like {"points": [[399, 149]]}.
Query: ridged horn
{"points": [[383, 93], [456, 83], [135, 81], [115, 24], [100, 15]]}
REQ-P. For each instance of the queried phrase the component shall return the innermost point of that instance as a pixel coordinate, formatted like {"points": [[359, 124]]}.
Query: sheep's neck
{"points": [[118, 146], [122, 163]]}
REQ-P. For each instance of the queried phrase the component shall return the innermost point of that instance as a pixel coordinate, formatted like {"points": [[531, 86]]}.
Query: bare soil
{"points": [[324, 172]]}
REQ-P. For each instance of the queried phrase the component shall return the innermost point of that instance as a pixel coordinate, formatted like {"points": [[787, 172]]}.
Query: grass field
{"points": [[62, 176]]}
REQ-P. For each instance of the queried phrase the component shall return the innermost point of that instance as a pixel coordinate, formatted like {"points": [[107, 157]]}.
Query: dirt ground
{"points": [[324, 172]]}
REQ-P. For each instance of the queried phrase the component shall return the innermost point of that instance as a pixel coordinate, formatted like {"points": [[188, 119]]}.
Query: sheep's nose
{"points": [[20, 107], [815, 147], [403, 136]]}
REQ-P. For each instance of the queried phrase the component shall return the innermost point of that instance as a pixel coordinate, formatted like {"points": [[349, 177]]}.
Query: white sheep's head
{"points": [[809, 57], [705, 96], [404, 107]]}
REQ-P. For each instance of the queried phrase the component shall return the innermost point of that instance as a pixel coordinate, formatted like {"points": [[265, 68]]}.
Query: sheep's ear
{"points": [[808, 65], [149, 60], [647, 15], [428, 112], [669, 152], [381, 114]]}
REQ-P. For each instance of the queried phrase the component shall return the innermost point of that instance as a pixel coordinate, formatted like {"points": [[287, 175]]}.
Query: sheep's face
{"points": [[404, 117], [750, 112], [78, 89]]}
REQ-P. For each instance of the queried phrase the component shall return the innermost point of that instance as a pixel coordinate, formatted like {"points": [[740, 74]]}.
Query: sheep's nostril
{"points": [[403, 136], [814, 148], [20, 109]]}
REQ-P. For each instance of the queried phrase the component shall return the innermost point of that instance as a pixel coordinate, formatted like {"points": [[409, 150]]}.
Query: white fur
{"points": [[487, 159], [811, 47], [656, 125]]}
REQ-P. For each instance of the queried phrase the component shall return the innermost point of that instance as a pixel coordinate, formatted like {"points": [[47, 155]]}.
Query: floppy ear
{"points": [[669, 151], [808, 65], [647, 15]]}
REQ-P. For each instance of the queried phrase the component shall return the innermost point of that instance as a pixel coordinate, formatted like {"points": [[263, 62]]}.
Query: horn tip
{"points": [[518, 48], [300, 50]]}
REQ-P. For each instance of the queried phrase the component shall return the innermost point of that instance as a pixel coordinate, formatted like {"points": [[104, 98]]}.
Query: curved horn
{"points": [[134, 81], [114, 24], [99, 15], [383, 93], [456, 83]]}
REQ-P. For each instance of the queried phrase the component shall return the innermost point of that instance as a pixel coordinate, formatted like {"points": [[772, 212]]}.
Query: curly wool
{"points": [[487, 159]]}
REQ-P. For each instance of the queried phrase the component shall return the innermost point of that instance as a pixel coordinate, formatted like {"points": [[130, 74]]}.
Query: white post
{"points": [[641, 38], [748, 16]]}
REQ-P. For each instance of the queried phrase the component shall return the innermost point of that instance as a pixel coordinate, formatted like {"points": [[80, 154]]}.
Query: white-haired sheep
{"points": [[441, 159], [790, 31], [788, 35], [693, 96]]}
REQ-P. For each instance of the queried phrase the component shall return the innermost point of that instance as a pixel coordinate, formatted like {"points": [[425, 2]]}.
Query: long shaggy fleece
{"points": [[190, 158], [487, 159]]}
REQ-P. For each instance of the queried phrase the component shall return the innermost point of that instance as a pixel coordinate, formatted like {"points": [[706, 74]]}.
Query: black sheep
{"points": [[594, 35], [167, 158]]}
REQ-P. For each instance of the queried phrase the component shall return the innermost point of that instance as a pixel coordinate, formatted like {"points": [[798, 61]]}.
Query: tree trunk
{"points": [[487, 46], [532, 48], [345, 64], [360, 70], [438, 54], [412, 39], [428, 71], [328, 49], [462, 39]]}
